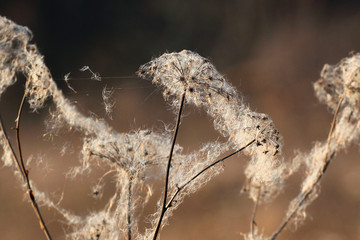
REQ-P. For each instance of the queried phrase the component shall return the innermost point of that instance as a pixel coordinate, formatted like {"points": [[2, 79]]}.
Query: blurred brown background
{"points": [[271, 51]]}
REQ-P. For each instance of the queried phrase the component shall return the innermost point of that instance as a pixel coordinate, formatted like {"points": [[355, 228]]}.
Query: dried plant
{"points": [[136, 157]]}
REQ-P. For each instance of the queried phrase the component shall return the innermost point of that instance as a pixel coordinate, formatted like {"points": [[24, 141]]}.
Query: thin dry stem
{"points": [[166, 187], [129, 206], [13, 155], [26, 172], [180, 188], [327, 159]]}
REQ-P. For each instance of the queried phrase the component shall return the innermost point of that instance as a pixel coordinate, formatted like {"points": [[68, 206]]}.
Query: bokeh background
{"points": [[272, 51]]}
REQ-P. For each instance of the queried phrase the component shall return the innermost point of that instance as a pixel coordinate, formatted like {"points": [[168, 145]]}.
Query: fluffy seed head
{"points": [[338, 79], [186, 71]]}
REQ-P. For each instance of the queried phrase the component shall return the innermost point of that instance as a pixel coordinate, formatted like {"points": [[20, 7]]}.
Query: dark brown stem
{"points": [[166, 187], [26, 173], [129, 206], [17, 128], [326, 161], [13, 155], [202, 171]]}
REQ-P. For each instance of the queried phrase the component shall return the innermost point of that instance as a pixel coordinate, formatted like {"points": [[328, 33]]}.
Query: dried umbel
{"points": [[341, 82], [17, 55], [339, 79], [13, 44], [186, 71], [205, 87]]}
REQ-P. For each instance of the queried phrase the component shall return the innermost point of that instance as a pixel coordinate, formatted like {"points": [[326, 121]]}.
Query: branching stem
{"points": [[166, 187]]}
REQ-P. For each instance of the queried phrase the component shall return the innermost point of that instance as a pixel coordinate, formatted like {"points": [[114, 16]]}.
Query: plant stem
{"points": [[253, 223], [166, 187], [326, 161], [129, 206], [26, 172], [13, 155], [180, 188]]}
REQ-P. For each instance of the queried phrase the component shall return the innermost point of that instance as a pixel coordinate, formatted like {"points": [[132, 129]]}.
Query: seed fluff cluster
{"points": [[133, 158], [138, 158], [339, 88], [205, 87]]}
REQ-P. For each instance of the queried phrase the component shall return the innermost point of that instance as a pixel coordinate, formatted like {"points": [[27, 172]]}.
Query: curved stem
{"points": [[166, 187], [26, 172], [180, 188], [13, 155]]}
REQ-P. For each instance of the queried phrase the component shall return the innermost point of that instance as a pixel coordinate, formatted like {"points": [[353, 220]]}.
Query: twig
{"points": [[326, 161], [253, 223], [26, 172], [179, 188], [166, 187]]}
